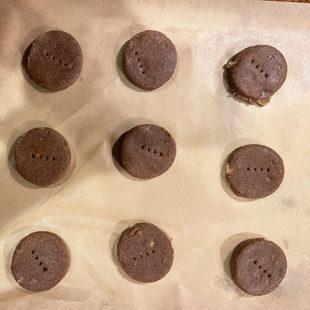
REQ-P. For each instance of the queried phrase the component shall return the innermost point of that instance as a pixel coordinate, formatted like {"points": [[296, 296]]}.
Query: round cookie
{"points": [[254, 171], [40, 261], [145, 252], [55, 60], [147, 151], [256, 73], [258, 266], [42, 156], [149, 59]]}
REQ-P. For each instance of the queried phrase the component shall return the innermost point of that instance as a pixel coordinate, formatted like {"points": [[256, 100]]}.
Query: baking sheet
{"points": [[191, 202]]}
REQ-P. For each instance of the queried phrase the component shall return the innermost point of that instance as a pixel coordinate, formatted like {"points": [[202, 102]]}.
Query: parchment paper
{"points": [[191, 202]]}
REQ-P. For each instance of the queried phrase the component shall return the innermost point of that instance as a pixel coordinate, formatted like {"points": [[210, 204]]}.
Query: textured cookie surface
{"points": [[145, 252], [147, 151], [254, 171], [258, 266], [40, 261], [256, 73], [149, 59], [55, 60], [42, 156]]}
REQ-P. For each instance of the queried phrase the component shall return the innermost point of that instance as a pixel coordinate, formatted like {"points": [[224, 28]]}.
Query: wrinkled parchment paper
{"points": [[190, 202]]}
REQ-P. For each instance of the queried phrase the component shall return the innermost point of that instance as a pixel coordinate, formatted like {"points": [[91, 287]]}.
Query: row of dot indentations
{"points": [[38, 156], [41, 263], [260, 267], [149, 150], [140, 66], [141, 255], [258, 67], [258, 169], [57, 60]]}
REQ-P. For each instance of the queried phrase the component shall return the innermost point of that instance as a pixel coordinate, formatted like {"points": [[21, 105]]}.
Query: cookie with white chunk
{"points": [[256, 73]]}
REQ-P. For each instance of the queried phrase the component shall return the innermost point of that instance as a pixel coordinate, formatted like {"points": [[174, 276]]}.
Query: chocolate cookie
{"points": [[256, 73], [40, 261], [42, 156], [254, 171], [145, 252], [55, 60], [258, 266], [149, 59], [147, 151]]}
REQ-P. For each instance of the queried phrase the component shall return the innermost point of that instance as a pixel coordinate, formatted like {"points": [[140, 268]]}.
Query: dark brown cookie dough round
{"points": [[147, 151], [145, 252], [55, 60], [256, 73], [42, 156], [40, 261], [258, 266], [254, 171], [149, 59]]}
